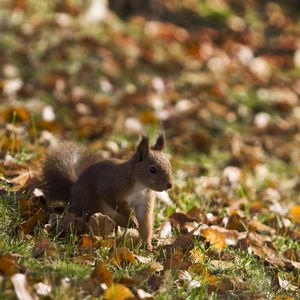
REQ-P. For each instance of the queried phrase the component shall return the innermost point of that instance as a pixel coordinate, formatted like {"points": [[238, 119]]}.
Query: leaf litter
{"points": [[232, 121]]}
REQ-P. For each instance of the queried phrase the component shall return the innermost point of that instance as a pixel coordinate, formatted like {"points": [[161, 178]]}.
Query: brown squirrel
{"points": [[113, 187]]}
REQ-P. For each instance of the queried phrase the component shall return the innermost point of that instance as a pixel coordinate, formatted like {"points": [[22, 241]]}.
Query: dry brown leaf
{"points": [[27, 207], [198, 214], [185, 242], [255, 225], [121, 255], [44, 248], [129, 282], [8, 265], [39, 217], [101, 225], [292, 254], [117, 292], [236, 222], [268, 254], [177, 260], [22, 178], [102, 275], [84, 259], [179, 219], [227, 283], [292, 265]]}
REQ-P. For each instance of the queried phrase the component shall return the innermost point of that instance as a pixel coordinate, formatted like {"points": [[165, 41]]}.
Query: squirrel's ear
{"points": [[160, 142], [142, 149]]}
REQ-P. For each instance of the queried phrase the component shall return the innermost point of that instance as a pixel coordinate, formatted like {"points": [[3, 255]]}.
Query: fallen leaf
{"points": [[179, 219], [101, 274], [8, 265], [84, 259], [27, 208], [44, 248], [28, 225], [101, 225], [255, 225], [285, 284], [185, 242], [197, 255], [222, 264], [236, 222], [294, 214], [121, 255], [219, 238], [198, 214], [85, 243], [176, 260], [117, 292], [227, 283]]}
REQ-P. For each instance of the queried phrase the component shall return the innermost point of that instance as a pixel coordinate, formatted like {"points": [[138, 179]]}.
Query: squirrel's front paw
{"points": [[149, 247]]}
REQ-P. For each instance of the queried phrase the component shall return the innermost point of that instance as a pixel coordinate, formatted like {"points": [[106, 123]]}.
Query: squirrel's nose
{"points": [[169, 185]]}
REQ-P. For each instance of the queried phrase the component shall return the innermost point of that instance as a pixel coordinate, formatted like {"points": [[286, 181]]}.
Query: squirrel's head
{"points": [[151, 167]]}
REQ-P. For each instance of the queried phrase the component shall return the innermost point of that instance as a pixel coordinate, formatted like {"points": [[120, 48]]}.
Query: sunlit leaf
{"points": [[121, 255], [117, 291]]}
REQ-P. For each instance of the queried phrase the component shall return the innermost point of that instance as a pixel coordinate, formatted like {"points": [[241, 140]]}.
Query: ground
{"points": [[221, 80]]}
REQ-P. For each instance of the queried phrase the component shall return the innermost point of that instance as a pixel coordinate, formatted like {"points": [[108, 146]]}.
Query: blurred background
{"points": [[221, 77]]}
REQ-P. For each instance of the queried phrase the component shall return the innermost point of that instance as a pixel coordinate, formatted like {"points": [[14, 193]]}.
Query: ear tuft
{"points": [[142, 149], [159, 144]]}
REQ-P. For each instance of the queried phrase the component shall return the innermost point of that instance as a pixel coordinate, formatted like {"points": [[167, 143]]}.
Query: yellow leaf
{"points": [[216, 238], [294, 214], [117, 292]]}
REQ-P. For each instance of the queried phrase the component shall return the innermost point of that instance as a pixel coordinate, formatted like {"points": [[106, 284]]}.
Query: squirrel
{"points": [[86, 184]]}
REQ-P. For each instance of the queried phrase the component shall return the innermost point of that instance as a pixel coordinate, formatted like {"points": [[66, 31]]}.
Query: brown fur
{"points": [[112, 187]]}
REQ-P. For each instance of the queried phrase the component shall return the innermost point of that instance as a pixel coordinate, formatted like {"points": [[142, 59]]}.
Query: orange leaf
{"points": [[85, 243], [120, 255], [8, 265], [117, 291], [294, 214], [102, 275]]}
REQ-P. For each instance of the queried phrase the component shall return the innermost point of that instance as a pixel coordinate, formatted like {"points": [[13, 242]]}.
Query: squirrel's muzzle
{"points": [[169, 185]]}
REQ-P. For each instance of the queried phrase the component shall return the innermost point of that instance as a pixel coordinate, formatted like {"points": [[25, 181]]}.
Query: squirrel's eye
{"points": [[153, 169]]}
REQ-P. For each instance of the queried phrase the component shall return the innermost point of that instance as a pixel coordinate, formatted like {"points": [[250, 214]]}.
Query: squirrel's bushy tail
{"points": [[62, 167]]}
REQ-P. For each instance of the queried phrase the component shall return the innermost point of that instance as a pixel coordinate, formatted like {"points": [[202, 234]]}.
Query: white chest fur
{"points": [[137, 195]]}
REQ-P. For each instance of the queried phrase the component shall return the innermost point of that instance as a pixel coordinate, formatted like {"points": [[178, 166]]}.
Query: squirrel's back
{"points": [[62, 166]]}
